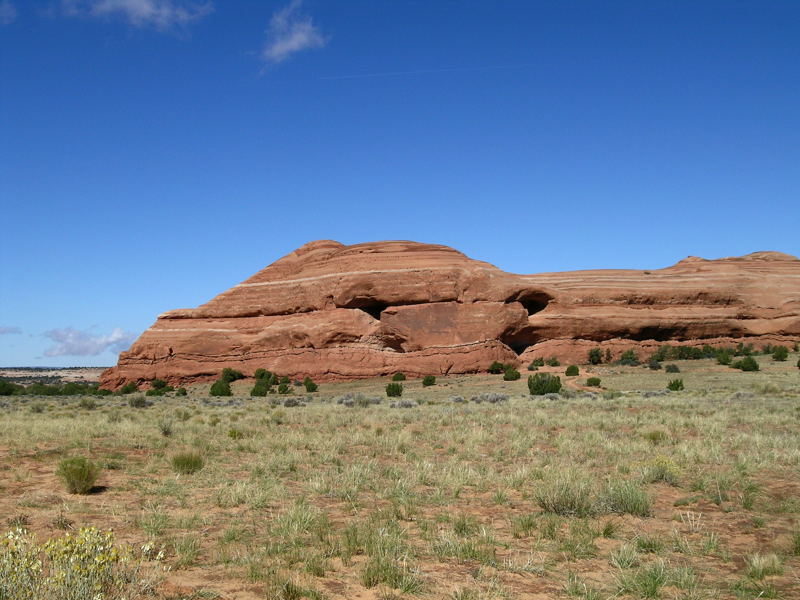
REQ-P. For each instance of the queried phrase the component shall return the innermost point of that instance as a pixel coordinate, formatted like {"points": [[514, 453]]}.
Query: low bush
{"points": [[496, 368], [675, 385], [748, 363], [187, 463], [510, 374], [428, 381], [261, 388], [780, 353], [231, 375], [544, 383], [672, 369], [79, 474], [595, 356], [310, 386], [129, 388], [394, 390], [220, 388], [283, 388], [572, 371], [181, 391], [137, 402], [654, 365], [593, 382], [158, 384], [262, 374], [85, 564], [536, 363], [165, 426], [87, 403], [629, 358], [399, 377], [553, 362]]}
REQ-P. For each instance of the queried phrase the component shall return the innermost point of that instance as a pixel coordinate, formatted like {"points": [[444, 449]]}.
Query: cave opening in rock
{"points": [[373, 308], [533, 301], [518, 347]]}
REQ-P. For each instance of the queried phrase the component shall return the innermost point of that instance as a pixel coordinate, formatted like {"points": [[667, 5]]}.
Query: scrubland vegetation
{"points": [[462, 487]]}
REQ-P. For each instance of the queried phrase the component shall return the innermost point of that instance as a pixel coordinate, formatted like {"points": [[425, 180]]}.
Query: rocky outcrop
{"points": [[332, 311]]}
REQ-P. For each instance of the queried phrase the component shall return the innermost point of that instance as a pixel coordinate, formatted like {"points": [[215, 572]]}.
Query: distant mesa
{"points": [[336, 312]]}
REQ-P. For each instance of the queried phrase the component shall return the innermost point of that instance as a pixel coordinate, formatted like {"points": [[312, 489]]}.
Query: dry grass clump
{"points": [[79, 474], [187, 463]]}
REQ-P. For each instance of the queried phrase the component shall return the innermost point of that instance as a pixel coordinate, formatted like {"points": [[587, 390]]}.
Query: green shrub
{"points": [[675, 385], [536, 362], [672, 369], [553, 362], [544, 383], [220, 388], [283, 388], [629, 358], [284, 380], [187, 463], [572, 371], [6, 388], [724, 357], [230, 375], [595, 356], [654, 365], [428, 381], [399, 377], [798, 363], [510, 374], [78, 474], [261, 388], [154, 392], [496, 368], [261, 374], [158, 384], [780, 353], [181, 391], [137, 402], [310, 386], [129, 388], [593, 382], [394, 390], [748, 363]]}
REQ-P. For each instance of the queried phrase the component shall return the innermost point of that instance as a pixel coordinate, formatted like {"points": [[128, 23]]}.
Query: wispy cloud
{"points": [[10, 330], [290, 32], [73, 342], [8, 12], [161, 14]]}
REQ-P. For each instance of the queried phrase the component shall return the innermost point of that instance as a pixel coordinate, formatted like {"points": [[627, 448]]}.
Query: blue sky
{"points": [[155, 152]]}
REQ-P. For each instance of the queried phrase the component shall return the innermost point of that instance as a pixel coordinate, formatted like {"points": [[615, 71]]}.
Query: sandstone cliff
{"points": [[332, 311]]}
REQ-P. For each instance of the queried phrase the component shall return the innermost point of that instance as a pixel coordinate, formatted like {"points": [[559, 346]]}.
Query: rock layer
{"points": [[332, 311]]}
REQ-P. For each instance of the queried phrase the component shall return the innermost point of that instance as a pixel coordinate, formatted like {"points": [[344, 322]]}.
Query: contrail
{"points": [[422, 72]]}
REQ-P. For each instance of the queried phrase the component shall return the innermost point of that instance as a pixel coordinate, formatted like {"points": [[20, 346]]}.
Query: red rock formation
{"points": [[340, 312]]}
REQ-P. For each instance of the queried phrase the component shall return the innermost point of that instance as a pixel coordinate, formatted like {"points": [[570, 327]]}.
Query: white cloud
{"points": [[290, 32], [161, 14], [9, 330], [72, 342], [8, 12]]}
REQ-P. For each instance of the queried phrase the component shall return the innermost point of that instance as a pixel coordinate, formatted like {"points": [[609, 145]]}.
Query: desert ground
{"points": [[623, 491]]}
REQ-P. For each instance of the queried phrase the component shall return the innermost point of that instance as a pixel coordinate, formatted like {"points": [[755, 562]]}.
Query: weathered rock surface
{"points": [[338, 312]]}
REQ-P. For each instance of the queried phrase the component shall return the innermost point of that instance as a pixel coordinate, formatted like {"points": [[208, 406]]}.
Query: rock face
{"points": [[332, 311]]}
